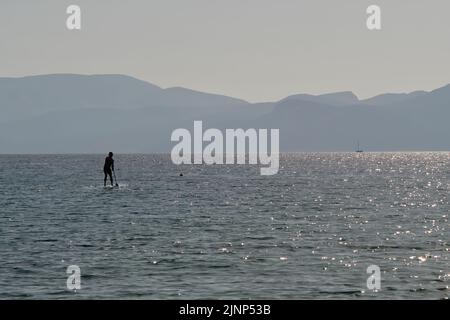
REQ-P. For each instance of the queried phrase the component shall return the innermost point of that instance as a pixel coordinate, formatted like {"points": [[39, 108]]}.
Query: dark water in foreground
{"points": [[225, 231]]}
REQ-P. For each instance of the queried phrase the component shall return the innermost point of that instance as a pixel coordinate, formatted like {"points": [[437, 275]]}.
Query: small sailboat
{"points": [[358, 148]]}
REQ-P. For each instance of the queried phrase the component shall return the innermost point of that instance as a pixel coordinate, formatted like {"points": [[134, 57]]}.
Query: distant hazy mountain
{"points": [[392, 98], [83, 114], [35, 95], [333, 99]]}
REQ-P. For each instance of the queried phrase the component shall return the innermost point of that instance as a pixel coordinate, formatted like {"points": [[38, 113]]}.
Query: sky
{"points": [[258, 50]]}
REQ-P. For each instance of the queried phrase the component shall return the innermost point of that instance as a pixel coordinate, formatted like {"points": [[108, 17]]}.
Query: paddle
{"points": [[115, 178]]}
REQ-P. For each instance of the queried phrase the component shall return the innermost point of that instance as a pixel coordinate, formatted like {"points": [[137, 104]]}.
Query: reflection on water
{"points": [[225, 231]]}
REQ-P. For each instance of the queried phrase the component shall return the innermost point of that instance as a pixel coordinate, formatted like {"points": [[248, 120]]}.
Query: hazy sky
{"points": [[253, 49]]}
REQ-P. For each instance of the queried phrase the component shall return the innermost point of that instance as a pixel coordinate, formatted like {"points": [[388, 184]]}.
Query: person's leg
{"points": [[106, 177], [111, 178]]}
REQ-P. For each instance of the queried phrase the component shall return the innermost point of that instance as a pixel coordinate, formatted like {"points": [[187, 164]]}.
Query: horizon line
{"points": [[168, 153]]}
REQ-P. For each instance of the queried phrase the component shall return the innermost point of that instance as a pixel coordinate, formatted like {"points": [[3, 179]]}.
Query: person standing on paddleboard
{"points": [[108, 168]]}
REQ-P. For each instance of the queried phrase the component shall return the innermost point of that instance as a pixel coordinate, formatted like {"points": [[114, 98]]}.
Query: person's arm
{"points": [[112, 165]]}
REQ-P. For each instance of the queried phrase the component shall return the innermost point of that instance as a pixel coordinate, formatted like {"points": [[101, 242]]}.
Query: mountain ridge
{"points": [[87, 113]]}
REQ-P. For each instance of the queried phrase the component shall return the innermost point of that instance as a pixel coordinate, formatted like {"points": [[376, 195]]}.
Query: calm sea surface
{"points": [[225, 232]]}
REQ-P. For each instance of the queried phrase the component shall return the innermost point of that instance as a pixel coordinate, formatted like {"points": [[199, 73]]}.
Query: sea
{"points": [[327, 226]]}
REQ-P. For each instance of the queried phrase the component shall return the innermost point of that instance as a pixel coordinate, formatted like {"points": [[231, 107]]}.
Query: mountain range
{"points": [[68, 113]]}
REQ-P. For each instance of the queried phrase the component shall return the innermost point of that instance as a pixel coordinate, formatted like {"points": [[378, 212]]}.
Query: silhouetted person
{"points": [[108, 168]]}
